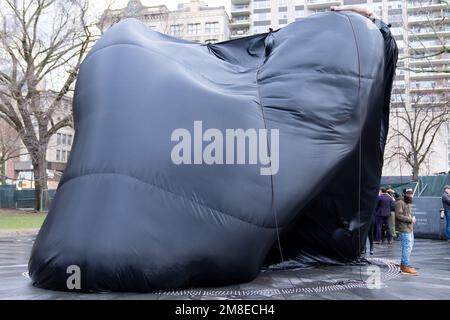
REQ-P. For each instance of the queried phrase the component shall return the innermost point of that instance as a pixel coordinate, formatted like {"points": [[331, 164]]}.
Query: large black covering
{"points": [[132, 220]]}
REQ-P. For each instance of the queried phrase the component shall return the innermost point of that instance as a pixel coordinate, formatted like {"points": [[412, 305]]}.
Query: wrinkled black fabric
{"points": [[134, 221]]}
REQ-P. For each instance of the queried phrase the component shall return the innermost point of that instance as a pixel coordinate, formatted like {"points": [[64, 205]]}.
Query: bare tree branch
{"points": [[42, 45]]}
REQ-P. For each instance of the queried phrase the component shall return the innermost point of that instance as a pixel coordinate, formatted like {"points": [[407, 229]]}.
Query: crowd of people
{"points": [[382, 227], [393, 219]]}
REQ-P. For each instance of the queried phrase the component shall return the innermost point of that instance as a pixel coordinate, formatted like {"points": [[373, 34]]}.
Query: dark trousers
{"points": [[382, 222], [369, 236]]}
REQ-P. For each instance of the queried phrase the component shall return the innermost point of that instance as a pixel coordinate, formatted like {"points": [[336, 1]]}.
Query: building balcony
{"points": [[239, 2], [429, 75], [240, 9], [427, 47], [396, 104], [239, 33], [430, 34], [429, 103], [414, 6], [398, 89], [428, 43], [240, 22], [428, 62], [427, 20], [430, 90], [318, 4]]}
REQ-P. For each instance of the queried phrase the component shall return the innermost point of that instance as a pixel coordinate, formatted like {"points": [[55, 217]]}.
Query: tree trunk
{"points": [[415, 172], [3, 172], [40, 179]]}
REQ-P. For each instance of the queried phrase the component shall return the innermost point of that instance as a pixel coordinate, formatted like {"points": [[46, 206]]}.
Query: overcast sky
{"points": [[100, 5]]}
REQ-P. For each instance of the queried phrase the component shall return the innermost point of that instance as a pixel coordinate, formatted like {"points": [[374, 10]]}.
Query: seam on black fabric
{"points": [[258, 88], [360, 136], [262, 108], [167, 191], [258, 91]]}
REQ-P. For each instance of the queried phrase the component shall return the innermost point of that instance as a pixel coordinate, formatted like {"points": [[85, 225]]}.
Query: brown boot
{"points": [[408, 270]]}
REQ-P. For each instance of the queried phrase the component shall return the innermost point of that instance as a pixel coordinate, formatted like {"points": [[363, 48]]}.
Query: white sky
{"points": [[100, 5]]}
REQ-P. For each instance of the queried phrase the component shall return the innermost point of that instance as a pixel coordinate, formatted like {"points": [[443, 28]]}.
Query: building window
{"points": [[64, 139], [63, 156], [282, 3], [175, 29], [241, 32], [262, 16], [299, 13], [193, 28], [397, 5], [399, 84], [282, 15], [58, 138], [319, 10], [260, 29], [68, 155], [212, 27], [261, 4], [400, 43], [69, 139], [58, 155]]}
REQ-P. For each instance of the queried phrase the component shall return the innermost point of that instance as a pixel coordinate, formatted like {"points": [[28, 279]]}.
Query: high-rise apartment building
{"points": [[422, 31]]}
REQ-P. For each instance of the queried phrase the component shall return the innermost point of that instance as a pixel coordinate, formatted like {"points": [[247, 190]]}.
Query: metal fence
{"points": [[426, 209], [12, 198], [429, 225], [7, 196], [426, 186]]}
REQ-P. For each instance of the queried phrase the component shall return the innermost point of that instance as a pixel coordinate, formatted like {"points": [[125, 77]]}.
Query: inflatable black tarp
{"points": [[131, 218]]}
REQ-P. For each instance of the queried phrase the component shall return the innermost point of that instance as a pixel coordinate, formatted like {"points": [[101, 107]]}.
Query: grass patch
{"points": [[19, 220]]}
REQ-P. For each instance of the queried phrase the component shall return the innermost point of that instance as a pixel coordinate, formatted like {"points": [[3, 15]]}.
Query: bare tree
{"points": [[414, 131], [42, 43], [420, 113], [107, 18], [10, 148]]}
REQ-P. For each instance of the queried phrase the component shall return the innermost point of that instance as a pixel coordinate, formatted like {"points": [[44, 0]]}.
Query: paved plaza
{"points": [[327, 282]]}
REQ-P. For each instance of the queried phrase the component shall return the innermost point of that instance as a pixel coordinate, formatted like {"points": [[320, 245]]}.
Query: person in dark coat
{"points": [[382, 215], [370, 235], [446, 205], [390, 191]]}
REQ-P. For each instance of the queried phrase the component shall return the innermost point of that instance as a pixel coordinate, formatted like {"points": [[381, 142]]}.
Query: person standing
{"points": [[370, 235], [404, 221], [383, 212], [446, 205], [390, 192]]}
